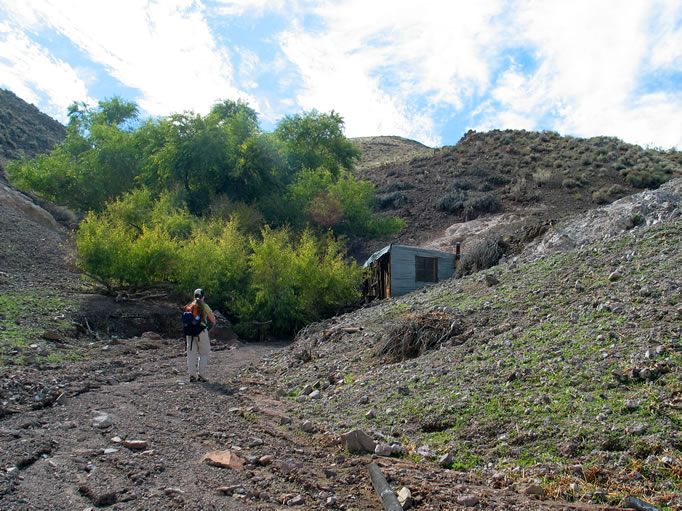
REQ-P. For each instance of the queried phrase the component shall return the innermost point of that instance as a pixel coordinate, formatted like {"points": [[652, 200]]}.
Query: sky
{"points": [[428, 70]]}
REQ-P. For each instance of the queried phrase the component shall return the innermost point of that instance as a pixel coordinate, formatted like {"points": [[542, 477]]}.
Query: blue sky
{"points": [[427, 70]]}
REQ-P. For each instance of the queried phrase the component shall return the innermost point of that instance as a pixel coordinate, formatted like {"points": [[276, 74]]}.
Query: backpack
{"points": [[191, 319]]}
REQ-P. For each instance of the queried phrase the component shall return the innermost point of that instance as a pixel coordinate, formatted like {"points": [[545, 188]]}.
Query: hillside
{"points": [[509, 184], [559, 370], [550, 381], [24, 130]]}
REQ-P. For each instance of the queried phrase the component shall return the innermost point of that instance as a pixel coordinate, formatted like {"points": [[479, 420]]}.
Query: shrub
{"points": [[485, 204], [607, 194], [393, 200], [497, 180], [646, 179], [542, 176], [453, 202], [484, 254]]}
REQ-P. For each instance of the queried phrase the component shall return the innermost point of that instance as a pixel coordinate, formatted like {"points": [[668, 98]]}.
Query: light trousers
{"points": [[198, 348]]}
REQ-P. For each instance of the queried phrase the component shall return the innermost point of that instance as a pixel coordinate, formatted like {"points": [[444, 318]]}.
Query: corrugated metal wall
{"points": [[403, 269]]}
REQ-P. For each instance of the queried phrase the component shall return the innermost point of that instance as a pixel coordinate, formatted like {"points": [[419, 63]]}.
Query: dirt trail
{"points": [[63, 462], [54, 457]]}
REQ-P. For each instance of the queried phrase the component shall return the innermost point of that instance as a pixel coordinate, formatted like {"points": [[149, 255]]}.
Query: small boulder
{"points": [[358, 441]]}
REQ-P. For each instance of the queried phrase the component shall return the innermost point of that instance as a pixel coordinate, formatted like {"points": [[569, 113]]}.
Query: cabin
{"points": [[396, 270]]}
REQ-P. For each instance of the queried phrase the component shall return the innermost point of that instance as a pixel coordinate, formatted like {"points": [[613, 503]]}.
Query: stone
{"points": [[298, 500], [110, 450], [405, 391], [101, 421], [445, 460], [370, 414], [136, 445], [331, 501], [51, 335], [425, 452], [288, 466], [315, 394], [255, 442], [358, 441], [383, 450], [467, 500], [307, 427], [265, 460], [224, 459], [307, 390], [405, 497], [534, 490], [283, 421]]}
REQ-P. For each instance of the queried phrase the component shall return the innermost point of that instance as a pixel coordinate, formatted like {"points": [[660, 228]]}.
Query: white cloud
{"points": [[593, 59], [32, 71], [241, 7], [387, 65], [163, 48]]}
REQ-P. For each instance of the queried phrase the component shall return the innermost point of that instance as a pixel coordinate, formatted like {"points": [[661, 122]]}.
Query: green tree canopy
{"points": [[315, 140]]}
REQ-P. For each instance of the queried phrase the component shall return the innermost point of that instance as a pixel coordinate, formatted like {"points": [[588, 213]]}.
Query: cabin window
{"points": [[426, 269]]}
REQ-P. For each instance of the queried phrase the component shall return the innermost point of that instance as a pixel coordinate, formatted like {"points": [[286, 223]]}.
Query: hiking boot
{"points": [[192, 379], [201, 378]]}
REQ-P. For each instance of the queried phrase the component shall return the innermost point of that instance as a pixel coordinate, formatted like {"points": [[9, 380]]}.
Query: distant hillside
{"points": [[512, 183], [24, 130]]}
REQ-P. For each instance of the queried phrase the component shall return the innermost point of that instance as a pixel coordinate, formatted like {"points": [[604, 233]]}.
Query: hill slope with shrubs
{"points": [[527, 179], [559, 369], [24, 130]]}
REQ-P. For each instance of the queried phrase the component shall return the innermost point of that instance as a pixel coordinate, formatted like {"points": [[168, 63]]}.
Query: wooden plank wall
{"points": [[402, 268]]}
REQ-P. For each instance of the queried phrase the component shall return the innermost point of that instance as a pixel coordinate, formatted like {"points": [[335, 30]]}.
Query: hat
{"points": [[199, 293]]}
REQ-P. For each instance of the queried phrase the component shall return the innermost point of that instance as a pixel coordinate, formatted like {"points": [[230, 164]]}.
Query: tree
{"points": [[315, 140]]}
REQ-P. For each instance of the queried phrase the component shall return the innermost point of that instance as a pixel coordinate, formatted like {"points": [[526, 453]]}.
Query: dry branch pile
{"points": [[416, 333]]}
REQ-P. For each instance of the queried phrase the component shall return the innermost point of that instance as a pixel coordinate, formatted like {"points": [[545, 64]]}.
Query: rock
{"points": [[315, 394], [288, 466], [307, 390], [255, 442], [284, 421], [425, 452], [383, 450], [307, 427], [101, 421], [358, 441], [298, 500], [174, 491], [445, 460], [51, 335], [405, 497], [265, 460], [110, 450], [534, 490], [331, 501], [467, 500], [224, 459], [136, 445], [405, 391], [229, 490], [363, 400], [397, 449], [370, 415], [614, 276]]}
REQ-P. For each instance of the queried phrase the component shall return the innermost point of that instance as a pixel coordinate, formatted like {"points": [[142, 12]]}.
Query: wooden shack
{"points": [[396, 270]]}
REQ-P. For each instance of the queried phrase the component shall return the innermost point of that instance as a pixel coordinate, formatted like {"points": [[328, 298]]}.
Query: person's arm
{"points": [[210, 317]]}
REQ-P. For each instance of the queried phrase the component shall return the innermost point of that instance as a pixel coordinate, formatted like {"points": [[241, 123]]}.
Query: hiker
{"points": [[199, 345]]}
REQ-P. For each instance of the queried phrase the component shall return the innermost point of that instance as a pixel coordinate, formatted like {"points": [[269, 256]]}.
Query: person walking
{"points": [[199, 345]]}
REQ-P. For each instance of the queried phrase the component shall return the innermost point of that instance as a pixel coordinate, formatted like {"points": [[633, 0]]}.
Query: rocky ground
{"points": [[551, 381], [93, 418]]}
